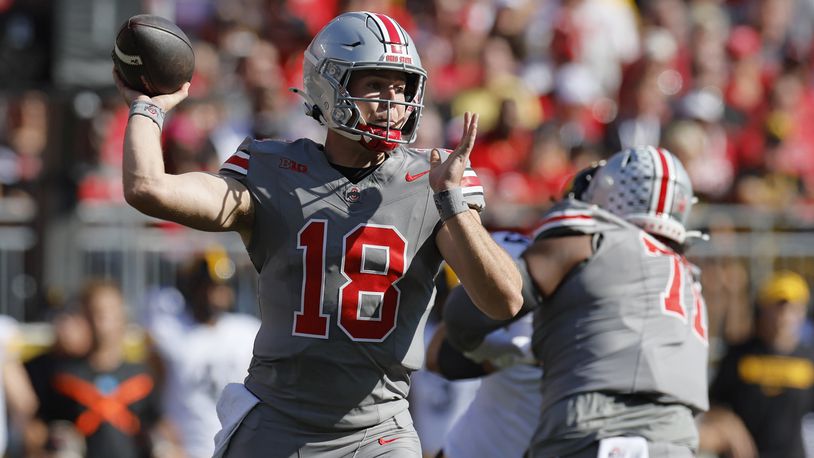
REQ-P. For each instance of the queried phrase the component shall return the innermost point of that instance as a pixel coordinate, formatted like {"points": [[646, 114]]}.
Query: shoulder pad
{"points": [[571, 216], [238, 162]]}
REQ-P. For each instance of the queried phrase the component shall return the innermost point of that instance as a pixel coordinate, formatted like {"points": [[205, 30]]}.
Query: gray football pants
{"points": [[267, 433], [571, 428]]}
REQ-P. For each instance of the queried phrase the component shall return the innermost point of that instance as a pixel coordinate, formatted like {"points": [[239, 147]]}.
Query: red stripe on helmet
{"points": [[665, 181], [391, 29]]}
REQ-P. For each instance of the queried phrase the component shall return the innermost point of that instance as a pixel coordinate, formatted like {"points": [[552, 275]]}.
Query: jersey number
{"points": [[363, 284], [671, 298]]}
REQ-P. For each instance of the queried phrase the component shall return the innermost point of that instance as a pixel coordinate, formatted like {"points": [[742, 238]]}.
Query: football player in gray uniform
{"points": [[619, 321], [347, 238]]}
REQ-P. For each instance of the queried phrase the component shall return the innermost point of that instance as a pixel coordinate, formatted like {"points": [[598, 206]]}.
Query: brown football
{"points": [[153, 55]]}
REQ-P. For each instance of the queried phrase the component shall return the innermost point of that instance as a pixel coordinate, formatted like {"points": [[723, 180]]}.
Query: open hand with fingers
{"points": [[447, 174]]}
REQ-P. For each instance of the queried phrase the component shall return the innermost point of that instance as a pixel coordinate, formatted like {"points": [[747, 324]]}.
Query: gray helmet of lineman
{"points": [[646, 186], [361, 41]]}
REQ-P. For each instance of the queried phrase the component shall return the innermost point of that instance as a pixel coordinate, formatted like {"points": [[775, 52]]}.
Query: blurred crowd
{"points": [[724, 84], [116, 383]]}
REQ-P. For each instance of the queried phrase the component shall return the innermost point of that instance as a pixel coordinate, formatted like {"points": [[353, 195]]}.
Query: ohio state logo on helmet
{"points": [[354, 42]]}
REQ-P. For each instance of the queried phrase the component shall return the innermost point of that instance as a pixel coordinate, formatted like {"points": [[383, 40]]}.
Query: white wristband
{"points": [[149, 110], [450, 202]]}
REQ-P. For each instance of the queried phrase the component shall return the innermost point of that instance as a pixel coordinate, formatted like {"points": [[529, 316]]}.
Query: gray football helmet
{"points": [[646, 186], [361, 41]]}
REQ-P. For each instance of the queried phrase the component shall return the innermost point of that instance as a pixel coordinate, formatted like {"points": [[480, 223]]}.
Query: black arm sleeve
{"points": [[467, 326], [453, 365]]}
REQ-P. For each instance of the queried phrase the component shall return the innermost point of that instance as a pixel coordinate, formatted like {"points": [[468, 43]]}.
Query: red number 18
{"points": [[310, 321]]}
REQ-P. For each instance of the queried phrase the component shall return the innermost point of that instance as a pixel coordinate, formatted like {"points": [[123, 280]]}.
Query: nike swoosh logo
{"points": [[410, 178], [383, 441]]}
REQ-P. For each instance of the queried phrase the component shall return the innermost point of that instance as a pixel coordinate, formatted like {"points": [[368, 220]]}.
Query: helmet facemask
{"points": [[347, 120]]}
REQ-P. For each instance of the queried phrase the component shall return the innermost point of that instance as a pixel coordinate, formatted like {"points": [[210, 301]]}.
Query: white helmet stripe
{"points": [[388, 30], [385, 33], [382, 29], [668, 182], [394, 39]]}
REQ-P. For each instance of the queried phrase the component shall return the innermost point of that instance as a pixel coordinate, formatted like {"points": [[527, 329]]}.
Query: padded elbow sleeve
{"points": [[466, 325], [453, 365]]}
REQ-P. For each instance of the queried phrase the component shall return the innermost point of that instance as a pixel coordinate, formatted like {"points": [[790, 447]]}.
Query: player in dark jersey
{"points": [[347, 238], [619, 320]]}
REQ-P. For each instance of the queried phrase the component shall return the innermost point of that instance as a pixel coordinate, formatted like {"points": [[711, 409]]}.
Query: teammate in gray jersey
{"points": [[619, 320], [347, 238]]}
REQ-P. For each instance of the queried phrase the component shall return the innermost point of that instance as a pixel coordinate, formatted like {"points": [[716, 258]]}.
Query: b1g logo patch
{"points": [[295, 166]]}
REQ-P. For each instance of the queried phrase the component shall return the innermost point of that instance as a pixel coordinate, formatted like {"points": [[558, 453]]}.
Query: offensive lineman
{"points": [[619, 320], [347, 238]]}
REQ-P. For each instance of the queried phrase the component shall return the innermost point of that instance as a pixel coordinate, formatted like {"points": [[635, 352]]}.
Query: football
{"points": [[153, 55]]}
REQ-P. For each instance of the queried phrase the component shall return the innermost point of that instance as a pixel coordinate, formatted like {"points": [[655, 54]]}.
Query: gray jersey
{"points": [[631, 319], [346, 279]]}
